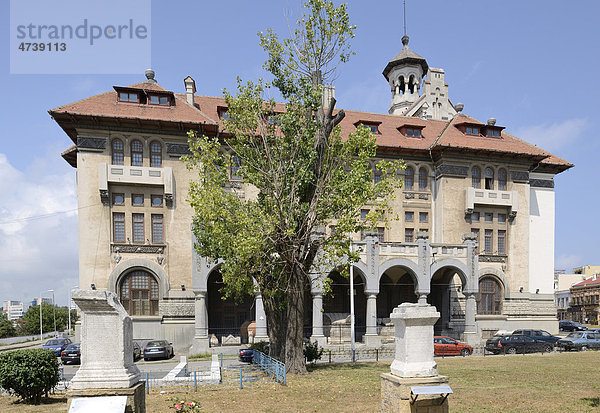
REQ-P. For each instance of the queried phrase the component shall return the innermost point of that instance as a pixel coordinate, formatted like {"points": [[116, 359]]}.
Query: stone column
{"points": [[201, 340], [470, 324], [317, 320], [261, 320], [423, 287], [371, 339]]}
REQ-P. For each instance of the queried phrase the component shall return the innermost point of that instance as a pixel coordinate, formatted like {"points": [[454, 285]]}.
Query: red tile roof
{"points": [[588, 282]]}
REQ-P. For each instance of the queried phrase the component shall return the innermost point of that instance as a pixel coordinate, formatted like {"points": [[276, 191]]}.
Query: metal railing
{"points": [[270, 366]]}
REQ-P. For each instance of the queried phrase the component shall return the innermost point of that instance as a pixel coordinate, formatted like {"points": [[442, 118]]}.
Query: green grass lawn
{"points": [[558, 382]]}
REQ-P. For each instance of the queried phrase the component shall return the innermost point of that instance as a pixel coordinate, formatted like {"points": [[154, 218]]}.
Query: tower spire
{"points": [[404, 21]]}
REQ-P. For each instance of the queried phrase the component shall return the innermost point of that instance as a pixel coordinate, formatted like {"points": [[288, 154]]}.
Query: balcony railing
{"points": [[491, 197], [136, 175]]}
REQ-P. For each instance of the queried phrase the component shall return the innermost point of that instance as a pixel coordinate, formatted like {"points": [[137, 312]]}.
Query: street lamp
{"points": [[53, 311], [69, 306]]}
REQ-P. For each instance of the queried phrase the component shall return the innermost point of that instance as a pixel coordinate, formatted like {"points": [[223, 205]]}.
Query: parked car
{"points": [[446, 346], [246, 355], [491, 344], [137, 351], [158, 349], [580, 340], [57, 345], [71, 354], [518, 343], [569, 325], [538, 335]]}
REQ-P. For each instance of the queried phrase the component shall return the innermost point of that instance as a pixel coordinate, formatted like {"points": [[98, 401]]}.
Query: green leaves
{"points": [[30, 374]]}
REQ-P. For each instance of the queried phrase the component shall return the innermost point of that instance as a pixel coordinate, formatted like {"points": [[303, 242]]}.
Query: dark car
{"points": [[246, 355], [569, 325], [518, 343], [156, 349], [538, 335], [57, 345], [491, 344], [71, 354], [446, 346], [580, 340], [137, 351]]}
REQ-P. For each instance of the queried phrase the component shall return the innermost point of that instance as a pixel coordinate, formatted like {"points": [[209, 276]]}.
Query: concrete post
{"points": [[261, 320], [317, 312]]}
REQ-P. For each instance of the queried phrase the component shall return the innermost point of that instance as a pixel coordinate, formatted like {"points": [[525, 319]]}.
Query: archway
{"points": [[336, 304], [446, 295], [227, 316], [396, 286]]}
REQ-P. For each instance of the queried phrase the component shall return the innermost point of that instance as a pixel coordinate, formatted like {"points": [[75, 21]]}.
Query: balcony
{"points": [[490, 197], [135, 175]]}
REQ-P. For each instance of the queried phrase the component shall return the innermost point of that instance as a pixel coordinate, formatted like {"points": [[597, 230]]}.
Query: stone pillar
{"points": [[471, 336], [317, 319], [423, 287], [107, 367], [371, 339], [201, 342], [261, 320]]}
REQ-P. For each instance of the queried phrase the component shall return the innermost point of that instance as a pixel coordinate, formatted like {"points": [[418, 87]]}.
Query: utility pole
{"points": [[352, 336]]}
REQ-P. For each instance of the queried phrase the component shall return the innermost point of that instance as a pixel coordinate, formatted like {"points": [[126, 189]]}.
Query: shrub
{"points": [[261, 346], [312, 352], [29, 373]]}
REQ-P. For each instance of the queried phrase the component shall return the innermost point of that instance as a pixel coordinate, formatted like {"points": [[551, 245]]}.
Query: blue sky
{"points": [[531, 65]]}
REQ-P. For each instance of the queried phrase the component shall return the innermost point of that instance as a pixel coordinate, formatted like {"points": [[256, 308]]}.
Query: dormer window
{"points": [[413, 133], [158, 100], [493, 133], [472, 130], [223, 113], [372, 126], [129, 97]]}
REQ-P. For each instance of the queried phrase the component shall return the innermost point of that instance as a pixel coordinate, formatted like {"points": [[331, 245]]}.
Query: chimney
{"points": [[491, 121], [190, 89], [459, 107]]}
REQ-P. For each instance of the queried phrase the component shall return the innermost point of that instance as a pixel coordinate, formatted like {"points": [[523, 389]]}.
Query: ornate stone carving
{"points": [[104, 197], [176, 308], [541, 183], [140, 249], [178, 149], [519, 176], [453, 170], [492, 258], [409, 195], [512, 215], [468, 213], [423, 196], [90, 143], [169, 200]]}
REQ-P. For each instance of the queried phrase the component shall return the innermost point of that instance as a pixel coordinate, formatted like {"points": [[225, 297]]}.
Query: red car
{"points": [[446, 346]]}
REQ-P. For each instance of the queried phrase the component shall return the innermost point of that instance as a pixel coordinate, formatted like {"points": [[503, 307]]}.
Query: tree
{"points": [[306, 176], [32, 318], [6, 327]]}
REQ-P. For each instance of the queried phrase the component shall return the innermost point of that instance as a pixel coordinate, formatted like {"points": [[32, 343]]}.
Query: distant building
{"points": [[36, 301], [585, 300], [13, 309], [562, 293]]}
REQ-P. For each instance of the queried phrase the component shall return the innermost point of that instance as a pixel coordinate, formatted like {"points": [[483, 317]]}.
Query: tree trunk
{"points": [[276, 326], [294, 340]]}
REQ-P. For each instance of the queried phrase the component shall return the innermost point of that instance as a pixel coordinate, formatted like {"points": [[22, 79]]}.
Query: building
{"points": [[562, 292], [36, 301], [585, 301], [13, 309], [476, 238]]}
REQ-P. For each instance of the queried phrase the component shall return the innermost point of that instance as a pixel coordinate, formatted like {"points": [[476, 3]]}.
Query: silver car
{"points": [[156, 349]]}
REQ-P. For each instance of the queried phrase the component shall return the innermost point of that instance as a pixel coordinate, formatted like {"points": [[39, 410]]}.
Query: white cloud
{"points": [[555, 136], [568, 261], [38, 229]]}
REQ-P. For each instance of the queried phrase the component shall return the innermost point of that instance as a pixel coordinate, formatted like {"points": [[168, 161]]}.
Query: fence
{"points": [[270, 366], [343, 355]]}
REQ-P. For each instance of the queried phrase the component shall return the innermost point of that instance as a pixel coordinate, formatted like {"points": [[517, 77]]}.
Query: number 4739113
{"points": [[43, 47]]}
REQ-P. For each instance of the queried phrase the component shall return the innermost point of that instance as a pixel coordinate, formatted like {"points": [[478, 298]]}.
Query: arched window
{"points": [[137, 153], [117, 152], [139, 293], [156, 155], [422, 179], [409, 178], [489, 299], [476, 177], [502, 179], [489, 178]]}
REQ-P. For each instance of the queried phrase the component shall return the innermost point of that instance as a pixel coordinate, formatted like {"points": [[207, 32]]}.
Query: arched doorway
{"points": [[446, 295], [396, 286], [336, 305], [229, 316]]}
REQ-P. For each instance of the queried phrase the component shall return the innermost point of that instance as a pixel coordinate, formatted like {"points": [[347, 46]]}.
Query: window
{"points": [[371, 127], [235, 167], [139, 293], [489, 178], [472, 130], [156, 155], [488, 241], [364, 213], [489, 217], [118, 199], [476, 177], [489, 299], [137, 153], [376, 175], [409, 178], [423, 216], [409, 216], [128, 97], [156, 200], [409, 235], [117, 152], [422, 179], [159, 100], [501, 218], [380, 233], [413, 133], [137, 199], [502, 179], [138, 227], [118, 227], [157, 229], [475, 233], [493, 133], [475, 217], [501, 242]]}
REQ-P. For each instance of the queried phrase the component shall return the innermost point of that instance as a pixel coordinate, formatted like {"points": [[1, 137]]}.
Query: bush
{"points": [[312, 352], [261, 346], [29, 373]]}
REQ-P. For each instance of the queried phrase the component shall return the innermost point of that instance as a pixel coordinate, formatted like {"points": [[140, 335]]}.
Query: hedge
{"points": [[29, 373]]}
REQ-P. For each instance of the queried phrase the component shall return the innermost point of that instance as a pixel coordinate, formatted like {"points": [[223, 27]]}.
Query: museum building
{"points": [[475, 238]]}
